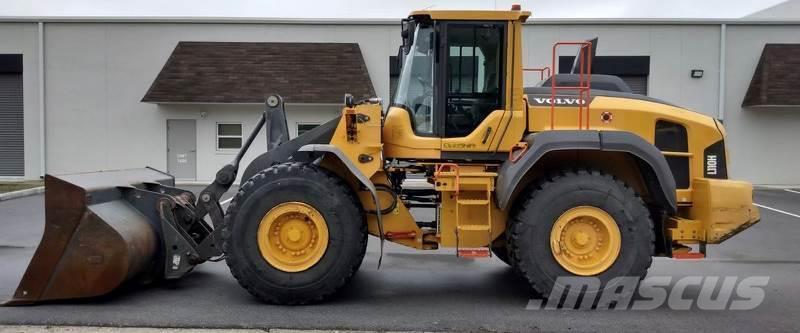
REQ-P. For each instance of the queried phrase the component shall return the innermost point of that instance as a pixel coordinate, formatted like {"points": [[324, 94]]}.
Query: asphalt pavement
{"points": [[423, 291]]}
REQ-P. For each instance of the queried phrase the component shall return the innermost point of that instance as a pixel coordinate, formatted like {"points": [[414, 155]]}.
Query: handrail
{"points": [[540, 70], [440, 168], [584, 83]]}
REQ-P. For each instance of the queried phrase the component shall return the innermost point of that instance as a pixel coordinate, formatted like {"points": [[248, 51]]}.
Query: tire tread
{"points": [[234, 209], [553, 179]]}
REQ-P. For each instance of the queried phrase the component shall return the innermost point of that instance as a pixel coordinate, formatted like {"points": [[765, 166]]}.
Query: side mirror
{"points": [[401, 58], [407, 34], [404, 33]]}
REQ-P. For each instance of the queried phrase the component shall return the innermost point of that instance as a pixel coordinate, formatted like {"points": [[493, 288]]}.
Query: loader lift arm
{"points": [[273, 117], [107, 228]]}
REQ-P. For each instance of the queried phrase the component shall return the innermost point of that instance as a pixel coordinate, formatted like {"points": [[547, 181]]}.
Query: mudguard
{"points": [[512, 173], [321, 134], [363, 179]]}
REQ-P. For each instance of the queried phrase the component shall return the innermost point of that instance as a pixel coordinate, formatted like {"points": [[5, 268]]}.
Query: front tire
{"points": [[580, 224], [294, 234]]}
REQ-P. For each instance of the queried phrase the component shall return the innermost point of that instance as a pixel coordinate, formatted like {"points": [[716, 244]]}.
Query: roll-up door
{"points": [[12, 154]]}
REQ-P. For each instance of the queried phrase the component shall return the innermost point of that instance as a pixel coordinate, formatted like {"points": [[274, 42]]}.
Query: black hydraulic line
{"points": [[208, 200], [226, 176], [392, 206], [250, 139]]}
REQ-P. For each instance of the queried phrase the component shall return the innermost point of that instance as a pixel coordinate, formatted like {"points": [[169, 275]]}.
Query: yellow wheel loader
{"points": [[573, 177]]}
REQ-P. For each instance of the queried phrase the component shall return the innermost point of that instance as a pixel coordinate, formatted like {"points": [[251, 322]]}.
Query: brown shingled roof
{"points": [[235, 72], [776, 81]]}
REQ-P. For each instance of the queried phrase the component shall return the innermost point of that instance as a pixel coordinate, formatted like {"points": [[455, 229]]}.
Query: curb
{"points": [[775, 187], [21, 193], [191, 183], [93, 329]]}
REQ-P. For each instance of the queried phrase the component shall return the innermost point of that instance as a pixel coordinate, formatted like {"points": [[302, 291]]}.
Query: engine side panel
{"points": [[635, 115]]}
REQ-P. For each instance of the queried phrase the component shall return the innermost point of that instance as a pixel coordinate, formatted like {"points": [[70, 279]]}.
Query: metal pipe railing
{"points": [[584, 83]]}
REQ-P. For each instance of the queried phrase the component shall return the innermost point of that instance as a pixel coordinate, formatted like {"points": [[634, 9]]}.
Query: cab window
{"points": [[474, 75], [415, 88]]}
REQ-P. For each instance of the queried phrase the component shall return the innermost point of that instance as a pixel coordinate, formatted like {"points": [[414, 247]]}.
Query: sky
{"points": [[388, 9]]}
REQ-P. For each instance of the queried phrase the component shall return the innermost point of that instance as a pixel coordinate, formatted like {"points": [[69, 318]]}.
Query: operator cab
{"points": [[453, 85], [471, 65]]}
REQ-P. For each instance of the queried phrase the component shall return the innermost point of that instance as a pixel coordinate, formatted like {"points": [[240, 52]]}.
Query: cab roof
{"points": [[473, 15]]}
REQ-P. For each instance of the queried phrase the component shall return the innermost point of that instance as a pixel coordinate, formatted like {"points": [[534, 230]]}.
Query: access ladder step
{"points": [[474, 227], [688, 255], [683, 252], [482, 252], [473, 202]]}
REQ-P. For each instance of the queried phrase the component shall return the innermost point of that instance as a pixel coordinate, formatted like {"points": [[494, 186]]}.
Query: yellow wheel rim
{"points": [[292, 237], [585, 240]]}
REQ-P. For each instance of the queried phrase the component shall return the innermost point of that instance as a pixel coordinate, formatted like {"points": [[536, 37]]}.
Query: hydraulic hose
{"points": [[392, 206]]}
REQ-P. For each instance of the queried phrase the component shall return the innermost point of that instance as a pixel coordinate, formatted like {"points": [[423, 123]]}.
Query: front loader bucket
{"points": [[96, 236]]}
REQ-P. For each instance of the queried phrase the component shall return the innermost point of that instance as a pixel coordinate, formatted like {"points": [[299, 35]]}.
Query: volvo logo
{"points": [[559, 101]]}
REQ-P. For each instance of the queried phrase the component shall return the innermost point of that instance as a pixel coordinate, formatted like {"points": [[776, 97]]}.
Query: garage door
{"points": [[12, 162]]}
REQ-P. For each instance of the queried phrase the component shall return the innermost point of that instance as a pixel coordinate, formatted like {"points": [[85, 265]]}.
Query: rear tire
{"points": [[294, 183], [500, 249], [537, 212]]}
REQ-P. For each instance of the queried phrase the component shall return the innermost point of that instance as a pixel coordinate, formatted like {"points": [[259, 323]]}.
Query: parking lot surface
{"points": [[424, 291]]}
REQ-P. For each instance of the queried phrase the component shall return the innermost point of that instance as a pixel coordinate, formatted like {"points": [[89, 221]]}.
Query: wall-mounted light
{"points": [[697, 73]]}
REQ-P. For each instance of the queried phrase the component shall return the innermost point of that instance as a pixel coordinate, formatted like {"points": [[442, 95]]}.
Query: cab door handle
{"points": [[486, 135]]}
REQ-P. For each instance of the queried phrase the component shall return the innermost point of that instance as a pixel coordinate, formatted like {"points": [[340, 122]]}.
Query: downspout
{"points": [[723, 28], [42, 142]]}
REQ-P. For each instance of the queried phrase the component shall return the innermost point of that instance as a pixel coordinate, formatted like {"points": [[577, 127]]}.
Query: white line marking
{"points": [[793, 191], [778, 210], [225, 201]]}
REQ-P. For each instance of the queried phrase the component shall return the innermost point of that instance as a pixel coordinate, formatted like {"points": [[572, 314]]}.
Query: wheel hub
{"points": [[585, 240], [292, 236]]}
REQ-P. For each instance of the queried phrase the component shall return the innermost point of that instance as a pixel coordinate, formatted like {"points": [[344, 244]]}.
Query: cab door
{"points": [[472, 66]]}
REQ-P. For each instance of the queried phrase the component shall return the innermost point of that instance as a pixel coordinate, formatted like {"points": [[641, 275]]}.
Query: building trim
{"points": [[386, 21], [246, 104], [659, 21], [771, 106], [723, 32], [41, 78]]}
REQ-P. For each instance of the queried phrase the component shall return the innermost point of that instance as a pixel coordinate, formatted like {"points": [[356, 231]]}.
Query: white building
{"points": [[72, 90]]}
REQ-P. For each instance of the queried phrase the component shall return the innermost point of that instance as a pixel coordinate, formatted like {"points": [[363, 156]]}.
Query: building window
{"points": [[305, 127], [229, 136]]}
